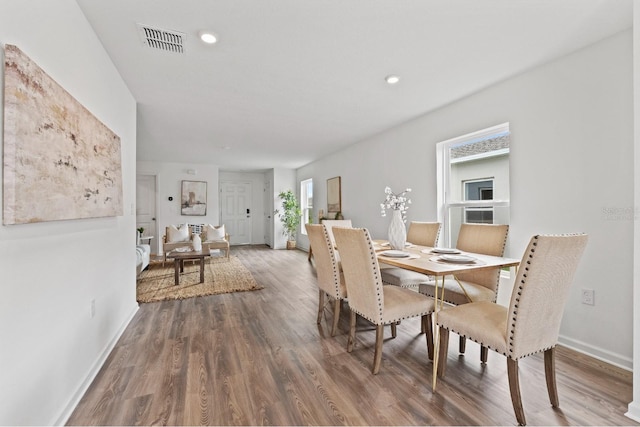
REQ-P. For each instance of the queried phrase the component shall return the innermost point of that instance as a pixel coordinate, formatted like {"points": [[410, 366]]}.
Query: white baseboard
{"points": [[598, 353], [634, 411], [75, 399]]}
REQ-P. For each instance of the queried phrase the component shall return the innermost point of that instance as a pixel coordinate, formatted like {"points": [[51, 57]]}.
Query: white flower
{"points": [[396, 202]]}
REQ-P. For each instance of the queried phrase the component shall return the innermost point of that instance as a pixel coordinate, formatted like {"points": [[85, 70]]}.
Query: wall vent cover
{"points": [[165, 40]]}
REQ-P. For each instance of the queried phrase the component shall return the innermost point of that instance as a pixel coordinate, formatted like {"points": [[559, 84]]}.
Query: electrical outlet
{"points": [[588, 296], [92, 311]]}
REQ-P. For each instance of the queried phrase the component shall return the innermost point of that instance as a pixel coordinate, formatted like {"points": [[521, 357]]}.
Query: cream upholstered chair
{"points": [[215, 237], [330, 278], [420, 233], [330, 223], [175, 237], [368, 297], [532, 322], [479, 285]]}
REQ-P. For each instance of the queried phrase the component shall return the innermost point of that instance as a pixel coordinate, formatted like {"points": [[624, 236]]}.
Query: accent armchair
{"points": [[215, 237]]}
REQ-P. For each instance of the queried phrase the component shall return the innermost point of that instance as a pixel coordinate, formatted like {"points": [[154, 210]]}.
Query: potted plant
{"points": [[290, 216]]}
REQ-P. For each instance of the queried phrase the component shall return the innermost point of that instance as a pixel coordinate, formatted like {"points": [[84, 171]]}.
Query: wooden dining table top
{"points": [[423, 260]]}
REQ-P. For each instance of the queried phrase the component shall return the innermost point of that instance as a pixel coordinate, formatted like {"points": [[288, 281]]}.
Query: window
{"points": [[478, 190], [306, 203], [473, 180]]}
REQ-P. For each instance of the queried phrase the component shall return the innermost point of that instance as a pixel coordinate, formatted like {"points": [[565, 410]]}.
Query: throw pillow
{"points": [[214, 233], [177, 234]]}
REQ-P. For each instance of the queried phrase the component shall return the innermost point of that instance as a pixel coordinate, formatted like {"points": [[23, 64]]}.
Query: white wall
{"points": [[169, 177], [634, 406], [50, 272], [259, 194], [571, 157]]}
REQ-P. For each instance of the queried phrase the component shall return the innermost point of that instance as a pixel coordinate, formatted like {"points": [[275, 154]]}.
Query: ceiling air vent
{"points": [[166, 40]]}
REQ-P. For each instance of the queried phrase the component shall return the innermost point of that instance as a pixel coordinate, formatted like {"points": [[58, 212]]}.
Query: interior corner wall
{"points": [[51, 271], [169, 177], [571, 168]]}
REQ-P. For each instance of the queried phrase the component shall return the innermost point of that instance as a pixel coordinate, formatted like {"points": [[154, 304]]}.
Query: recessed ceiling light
{"points": [[392, 79], [208, 37]]}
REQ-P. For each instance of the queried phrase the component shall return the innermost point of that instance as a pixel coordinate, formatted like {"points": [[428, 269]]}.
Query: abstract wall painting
{"points": [[60, 161], [194, 198]]}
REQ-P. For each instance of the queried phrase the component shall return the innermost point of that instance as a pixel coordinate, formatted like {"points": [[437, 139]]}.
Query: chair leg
{"points": [[310, 254], [550, 375], [428, 328], [394, 329], [320, 305], [336, 316], [462, 344], [444, 349], [377, 357], [352, 331], [484, 352], [514, 387]]}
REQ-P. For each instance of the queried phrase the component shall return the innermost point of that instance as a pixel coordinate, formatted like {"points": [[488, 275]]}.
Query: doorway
{"points": [[236, 207], [146, 208]]}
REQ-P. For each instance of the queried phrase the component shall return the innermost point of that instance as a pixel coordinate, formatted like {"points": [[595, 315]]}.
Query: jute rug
{"points": [[157, 283]]}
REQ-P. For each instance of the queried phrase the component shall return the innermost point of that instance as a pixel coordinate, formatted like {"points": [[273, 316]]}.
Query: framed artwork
{"points": [[194, 198], [60, 161], [334, 196]]}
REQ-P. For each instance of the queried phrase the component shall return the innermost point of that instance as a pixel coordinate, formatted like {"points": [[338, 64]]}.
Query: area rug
{"points": [[221, 275]]}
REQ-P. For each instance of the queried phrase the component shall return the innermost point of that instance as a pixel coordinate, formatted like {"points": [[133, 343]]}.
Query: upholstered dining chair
{"points": [[532, 322], [330, 223], [477, 285], [368, 297], [330, 278], [419, 233]]}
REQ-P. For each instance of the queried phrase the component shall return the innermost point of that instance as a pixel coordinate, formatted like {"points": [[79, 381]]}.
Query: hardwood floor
{"points": [[258, 357]]}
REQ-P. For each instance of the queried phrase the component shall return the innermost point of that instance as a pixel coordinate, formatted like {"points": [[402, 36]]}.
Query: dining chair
{"points": [[531, 324], [476, 285], [330, 278], [370, 298], [420, 233], [330, 223]]}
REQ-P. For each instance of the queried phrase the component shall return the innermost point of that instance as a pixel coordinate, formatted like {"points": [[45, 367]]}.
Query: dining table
{"points": [[439, 263]]}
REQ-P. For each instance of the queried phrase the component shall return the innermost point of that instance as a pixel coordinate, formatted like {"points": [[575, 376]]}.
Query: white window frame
{"points": [[443, 173], [304, 206]]}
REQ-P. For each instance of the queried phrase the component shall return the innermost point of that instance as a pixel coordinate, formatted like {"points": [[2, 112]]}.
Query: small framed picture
{"points": [[334, 196]]}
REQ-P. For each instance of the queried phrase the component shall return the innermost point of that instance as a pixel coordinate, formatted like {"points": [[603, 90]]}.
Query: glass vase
{"points": [[397, 231]]}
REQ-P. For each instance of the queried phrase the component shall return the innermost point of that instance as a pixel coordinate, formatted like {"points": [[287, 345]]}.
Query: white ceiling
{"points": [[293, 80]]}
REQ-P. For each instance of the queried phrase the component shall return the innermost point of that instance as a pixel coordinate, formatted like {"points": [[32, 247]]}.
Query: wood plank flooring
{"points": [[258, 358]]}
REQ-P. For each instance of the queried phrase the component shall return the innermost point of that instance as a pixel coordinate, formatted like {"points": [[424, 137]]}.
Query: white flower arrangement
{"points": [[397, 202]]}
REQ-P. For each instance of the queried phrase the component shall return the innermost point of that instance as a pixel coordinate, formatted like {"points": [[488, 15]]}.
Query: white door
{"points": [[146, 208], [236, 208], [268, 214]]}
